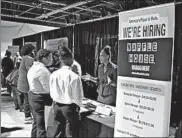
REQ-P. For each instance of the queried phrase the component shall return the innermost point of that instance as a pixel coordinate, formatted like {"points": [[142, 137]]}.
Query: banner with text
{"points": [[145, 61]]}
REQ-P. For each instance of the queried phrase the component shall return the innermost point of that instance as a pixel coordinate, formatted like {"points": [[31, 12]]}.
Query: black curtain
{"points": [[176, 104], [34, 38], [18, 42], [62, 32], [89, 39]]}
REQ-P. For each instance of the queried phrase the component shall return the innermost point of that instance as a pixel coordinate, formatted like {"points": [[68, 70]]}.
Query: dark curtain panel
{"points": [[176, 104], [18, 42], [62, 32], [34, 38], [89, 39]]}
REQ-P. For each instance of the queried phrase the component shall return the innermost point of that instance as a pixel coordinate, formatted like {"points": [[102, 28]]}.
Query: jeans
{"points": [[26, 105], [16, 97], [37, 103], [66, 121]]}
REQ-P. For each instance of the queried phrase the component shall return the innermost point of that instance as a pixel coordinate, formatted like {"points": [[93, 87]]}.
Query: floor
{"points": [[11, 118]]}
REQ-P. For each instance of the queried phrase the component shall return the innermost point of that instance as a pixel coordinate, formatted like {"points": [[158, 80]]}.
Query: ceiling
{"points": [[60, 13]]}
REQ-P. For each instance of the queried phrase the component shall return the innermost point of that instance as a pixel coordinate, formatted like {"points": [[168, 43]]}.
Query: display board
{"points": [[145, 64], [13, 50], [53, 44]]}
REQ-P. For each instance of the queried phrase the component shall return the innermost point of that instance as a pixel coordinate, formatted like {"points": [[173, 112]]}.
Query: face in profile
{"points": [[48, 61]]}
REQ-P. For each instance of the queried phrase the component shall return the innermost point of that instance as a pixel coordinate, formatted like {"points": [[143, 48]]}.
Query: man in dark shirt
{"points": [[7, 66]]}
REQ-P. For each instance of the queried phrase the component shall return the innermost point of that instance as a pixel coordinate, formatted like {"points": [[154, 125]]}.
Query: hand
{"points": [[108, 80], [86, 77]]}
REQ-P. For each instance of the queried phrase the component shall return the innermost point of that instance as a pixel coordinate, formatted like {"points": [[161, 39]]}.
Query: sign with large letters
{"points": [[145, 66]]}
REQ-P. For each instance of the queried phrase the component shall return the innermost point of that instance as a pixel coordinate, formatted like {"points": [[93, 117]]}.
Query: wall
{"points": [[10, 30]]}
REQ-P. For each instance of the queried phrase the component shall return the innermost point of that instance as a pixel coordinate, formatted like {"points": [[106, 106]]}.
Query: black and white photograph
{"points": [[91, 68]]}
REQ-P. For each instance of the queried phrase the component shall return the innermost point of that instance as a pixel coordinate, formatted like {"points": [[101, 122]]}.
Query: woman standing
{"points": [[27, 52], [106, 80]]}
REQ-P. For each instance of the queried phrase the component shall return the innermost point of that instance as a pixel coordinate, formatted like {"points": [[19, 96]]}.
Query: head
{"points": [[17, 54], [105, 54], [8, 53], [55, 56], [27, 49], [18, 64], [65, 56], [44, 56]]}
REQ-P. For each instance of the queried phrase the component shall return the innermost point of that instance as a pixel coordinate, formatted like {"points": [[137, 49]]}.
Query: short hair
{"points": [[107, 50], [27, 49], [18, 64], [42, 53], [8, 53], [65, 52]]}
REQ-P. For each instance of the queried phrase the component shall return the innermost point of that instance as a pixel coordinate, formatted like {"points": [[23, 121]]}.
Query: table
{"points": [[92, 125]]}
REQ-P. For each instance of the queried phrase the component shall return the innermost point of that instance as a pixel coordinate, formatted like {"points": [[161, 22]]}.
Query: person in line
{"points": [[55, 63], [75, 67], [67, 94], [23, 86], [13, 80], [17, 58], [39, 95], [7, 67], [106, 80]]}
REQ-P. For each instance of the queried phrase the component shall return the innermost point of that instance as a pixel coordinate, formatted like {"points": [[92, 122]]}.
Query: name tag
{"points": [[103, 110]]}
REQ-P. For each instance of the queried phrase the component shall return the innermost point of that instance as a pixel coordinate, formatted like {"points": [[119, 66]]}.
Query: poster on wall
{"points": [[13, 50], [145, 66], [54, 44]]}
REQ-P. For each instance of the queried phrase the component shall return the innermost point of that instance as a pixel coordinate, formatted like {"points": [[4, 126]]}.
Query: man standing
{"points": [[67, 93], [39, 95], [7, 66]]}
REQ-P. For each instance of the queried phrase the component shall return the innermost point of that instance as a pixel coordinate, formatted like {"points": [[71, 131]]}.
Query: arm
{"points": [[112, 80], [88, 77], [77, 91], [29, 63], [44, 80]]}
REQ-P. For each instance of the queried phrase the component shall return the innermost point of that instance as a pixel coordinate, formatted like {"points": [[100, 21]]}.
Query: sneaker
{"points": [[28, 120]]}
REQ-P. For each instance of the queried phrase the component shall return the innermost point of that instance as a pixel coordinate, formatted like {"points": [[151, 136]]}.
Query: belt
{"points": [[60, 104]]}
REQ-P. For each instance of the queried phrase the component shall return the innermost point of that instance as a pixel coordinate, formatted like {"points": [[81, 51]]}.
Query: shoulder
{"points": [[74, 77], [114, 66], [76, 64], [27, 58], [55, 73]]}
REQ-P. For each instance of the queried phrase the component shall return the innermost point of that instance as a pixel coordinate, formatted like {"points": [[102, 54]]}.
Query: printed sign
{"points": [[13, 50], [54, 44], [145, 59]]}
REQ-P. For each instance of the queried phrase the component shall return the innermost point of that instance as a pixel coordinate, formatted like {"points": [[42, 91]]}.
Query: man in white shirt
{"points": [[67, 94], [39, 95]]}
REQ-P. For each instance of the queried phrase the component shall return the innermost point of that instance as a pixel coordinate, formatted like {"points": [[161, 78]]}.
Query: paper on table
{"points": [[103, 110], [82, 109]]}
